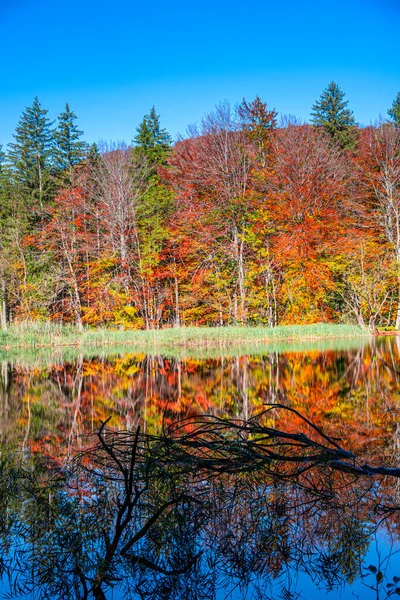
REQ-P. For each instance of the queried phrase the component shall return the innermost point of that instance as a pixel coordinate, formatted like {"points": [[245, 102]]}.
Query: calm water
{"points": [[251, 536]]}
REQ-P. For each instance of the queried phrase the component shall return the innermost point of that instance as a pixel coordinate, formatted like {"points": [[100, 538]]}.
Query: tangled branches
{"points": [[207, 446], [205, 502]]}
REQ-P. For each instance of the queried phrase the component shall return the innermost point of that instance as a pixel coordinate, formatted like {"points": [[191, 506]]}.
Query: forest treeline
{"points": [[249, 219]]}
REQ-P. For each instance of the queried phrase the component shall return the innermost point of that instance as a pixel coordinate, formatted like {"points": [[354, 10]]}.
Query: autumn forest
{"points": [[250, 218]]}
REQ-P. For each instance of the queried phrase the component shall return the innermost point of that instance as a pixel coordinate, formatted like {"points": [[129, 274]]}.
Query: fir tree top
{"points": [[70, 150], [33, 135], [30, 155], [394, 112], [151, 139], [331, 113]]}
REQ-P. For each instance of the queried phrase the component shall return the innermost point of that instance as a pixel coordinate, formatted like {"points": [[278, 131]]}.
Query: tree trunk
{"points": [[398, 301], [3, 306], [177, 316], [238, 249]]}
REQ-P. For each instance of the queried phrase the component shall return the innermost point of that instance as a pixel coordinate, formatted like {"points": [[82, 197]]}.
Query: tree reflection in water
{"points": [[209, 504]]}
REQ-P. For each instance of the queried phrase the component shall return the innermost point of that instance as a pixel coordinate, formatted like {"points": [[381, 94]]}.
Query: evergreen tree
{"points": [[93, 154], [394, 112], [153, 143], [12, 214], [151, 140], [31, 154], [70, 150], [331, 113], [4, 205]]}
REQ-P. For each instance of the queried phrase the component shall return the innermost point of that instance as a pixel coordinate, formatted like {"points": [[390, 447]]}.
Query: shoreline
{"points": [[48, 335]]}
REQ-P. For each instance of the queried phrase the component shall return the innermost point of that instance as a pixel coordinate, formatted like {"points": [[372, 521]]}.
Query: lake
{"points": [[202, 507]]}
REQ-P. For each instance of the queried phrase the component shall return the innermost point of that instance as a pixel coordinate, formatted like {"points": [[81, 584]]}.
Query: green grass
{"points": [[40, 335], [47, 356]]}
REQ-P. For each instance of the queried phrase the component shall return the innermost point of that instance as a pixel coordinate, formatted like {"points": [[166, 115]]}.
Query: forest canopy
{"points": [[250, 219]]}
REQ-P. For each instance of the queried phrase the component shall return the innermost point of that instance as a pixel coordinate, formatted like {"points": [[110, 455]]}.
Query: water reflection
{"points": [[208, 506], [251, 533]]}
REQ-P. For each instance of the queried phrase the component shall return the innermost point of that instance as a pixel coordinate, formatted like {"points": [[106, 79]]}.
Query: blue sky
{"points": [[113, 60]]}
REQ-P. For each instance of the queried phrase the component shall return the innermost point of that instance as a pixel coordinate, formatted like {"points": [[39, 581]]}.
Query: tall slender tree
{"points": [[394, 112], [151, 139], [4, 219], [31, 154], [258, 123], [153, 144], [70, 149], [331, 113]]}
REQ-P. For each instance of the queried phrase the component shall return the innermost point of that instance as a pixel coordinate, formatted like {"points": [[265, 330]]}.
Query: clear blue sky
{"points": [[113, 60]]}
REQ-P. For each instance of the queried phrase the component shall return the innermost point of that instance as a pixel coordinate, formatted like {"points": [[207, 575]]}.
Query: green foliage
{"points": [[151, 139], [394, 112], [243, 222], [188, 339], [93, 154], [70, 150], [31, 155], [258, 122], [152, 212], [331, 113]]}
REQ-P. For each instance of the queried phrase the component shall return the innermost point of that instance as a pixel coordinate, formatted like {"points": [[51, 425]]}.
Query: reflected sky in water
{"points": [[50, 405]]}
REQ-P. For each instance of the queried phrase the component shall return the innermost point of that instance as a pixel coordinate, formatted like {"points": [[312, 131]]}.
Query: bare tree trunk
{"points": [[235, 306], [40, 183], [122, 247], [270, 293], [3, 307], [238, 250], [177, 316], [77, 298], [398, 300]]}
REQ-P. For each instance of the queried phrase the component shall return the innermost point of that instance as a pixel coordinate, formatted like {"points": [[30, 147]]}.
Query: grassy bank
{"points": [[49, 356], [42, 335]]}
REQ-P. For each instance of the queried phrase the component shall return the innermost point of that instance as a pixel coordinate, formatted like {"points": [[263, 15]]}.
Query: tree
{"points": [[65, 236], [70, 150], [258, 122], [379, 178], [151, 139], [394, 112], [368, 278], [4, 218], [212, 173], [153, 144], [331, 113], [116, 185], [93, 155], [306, 205], [31, 154]]}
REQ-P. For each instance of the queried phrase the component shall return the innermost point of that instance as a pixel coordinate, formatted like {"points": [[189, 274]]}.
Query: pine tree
{"points": [[3, 219], [11, 213], [151, 140], [394, 112], [331, 113], [153, 143], [93, 154], [70, 150], [31, 154], [258, 123]]}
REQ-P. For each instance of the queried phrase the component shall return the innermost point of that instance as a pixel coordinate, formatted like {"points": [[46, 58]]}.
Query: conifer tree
{"points": [[70, 150], [93, 154], [4, 205], [30, 155], [394, 112], [13, 216], [152, 143], [151, 139], [331, 113]]}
